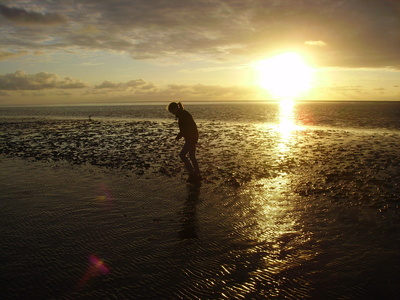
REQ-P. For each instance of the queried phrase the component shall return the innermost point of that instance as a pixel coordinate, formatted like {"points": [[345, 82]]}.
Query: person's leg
{"points": [[185, 149], [193, 159]]}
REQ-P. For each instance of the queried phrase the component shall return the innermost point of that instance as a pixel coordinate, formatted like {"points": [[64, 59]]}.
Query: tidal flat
{"points": [[100, 209]]}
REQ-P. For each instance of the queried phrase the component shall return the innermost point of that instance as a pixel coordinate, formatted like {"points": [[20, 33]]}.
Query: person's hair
{"points": [[173, 105]]}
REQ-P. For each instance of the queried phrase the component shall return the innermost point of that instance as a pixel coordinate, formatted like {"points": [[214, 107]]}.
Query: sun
{"points": [[285, 76]]}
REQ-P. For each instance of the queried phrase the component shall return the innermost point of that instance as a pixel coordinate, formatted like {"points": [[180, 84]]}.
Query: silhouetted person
{"points": [[187, 130]]}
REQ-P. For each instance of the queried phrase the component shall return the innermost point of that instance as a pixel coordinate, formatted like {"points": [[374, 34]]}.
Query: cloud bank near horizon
{"points": [[355, 34], [48, 88], [40, 81]]}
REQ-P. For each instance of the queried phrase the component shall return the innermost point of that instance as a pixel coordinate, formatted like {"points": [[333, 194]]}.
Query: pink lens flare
{"points": [[104, 195], [98, 264], [96, 267]]}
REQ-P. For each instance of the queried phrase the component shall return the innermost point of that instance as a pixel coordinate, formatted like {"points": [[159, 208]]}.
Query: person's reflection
{"points": [[188, 220]]}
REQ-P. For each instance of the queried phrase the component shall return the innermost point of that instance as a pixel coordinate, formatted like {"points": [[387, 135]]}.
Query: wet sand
{"points": [[100, 209]]}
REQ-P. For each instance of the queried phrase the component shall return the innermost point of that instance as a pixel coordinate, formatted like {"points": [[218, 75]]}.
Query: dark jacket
{"points": [[187, 127]]}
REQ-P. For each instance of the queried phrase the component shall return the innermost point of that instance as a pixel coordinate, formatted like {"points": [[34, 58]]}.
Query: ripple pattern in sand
{"points": [[274, 221]]}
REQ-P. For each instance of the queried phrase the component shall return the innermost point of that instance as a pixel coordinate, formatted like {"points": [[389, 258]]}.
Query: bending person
{"points": [[187, 130]]}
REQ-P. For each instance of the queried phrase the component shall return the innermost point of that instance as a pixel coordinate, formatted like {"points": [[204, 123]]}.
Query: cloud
{"points": [[314, 43], [133, 84], [139, 90], [91, 64], [48, 88], [208, 92], [107, 85], [24, 17], [43, 80], [70, 83], [5, 55], [353, 92], [357, 33]]}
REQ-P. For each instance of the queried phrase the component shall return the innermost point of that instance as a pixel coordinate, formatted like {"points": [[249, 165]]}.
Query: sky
{"points": [[122, 51]]}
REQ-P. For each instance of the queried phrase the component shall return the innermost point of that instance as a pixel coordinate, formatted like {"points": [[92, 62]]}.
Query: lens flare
{"points": [[96, 268], [104, 194]]}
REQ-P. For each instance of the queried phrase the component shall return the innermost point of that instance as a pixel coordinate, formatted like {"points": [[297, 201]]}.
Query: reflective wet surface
{"points": [[101, 209], [160, 238]]}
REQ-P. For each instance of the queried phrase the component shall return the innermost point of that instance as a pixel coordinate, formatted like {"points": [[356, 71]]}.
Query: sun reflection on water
{"points": [[273, 201], [286, 124], [276, 219], [272, 195], [273, 217]]}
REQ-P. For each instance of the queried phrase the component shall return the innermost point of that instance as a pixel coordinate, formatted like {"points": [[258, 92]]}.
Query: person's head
{"points": [[175, 107]]}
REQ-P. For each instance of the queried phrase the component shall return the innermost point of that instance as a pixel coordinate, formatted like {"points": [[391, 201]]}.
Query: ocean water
{"points": [[298, 202], [367, 115]]}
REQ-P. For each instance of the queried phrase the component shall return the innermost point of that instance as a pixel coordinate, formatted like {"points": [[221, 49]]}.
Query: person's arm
{"points": [[182, 121], [179, 135]]}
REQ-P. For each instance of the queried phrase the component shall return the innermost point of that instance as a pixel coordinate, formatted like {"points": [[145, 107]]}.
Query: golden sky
{"points": [[63, 52]]}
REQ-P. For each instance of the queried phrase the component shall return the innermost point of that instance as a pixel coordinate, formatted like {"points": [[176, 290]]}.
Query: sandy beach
{"points": [[100, 209]]}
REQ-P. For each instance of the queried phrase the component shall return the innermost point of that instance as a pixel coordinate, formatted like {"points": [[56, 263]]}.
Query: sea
{"points": [[345, 114], [299, 200]]}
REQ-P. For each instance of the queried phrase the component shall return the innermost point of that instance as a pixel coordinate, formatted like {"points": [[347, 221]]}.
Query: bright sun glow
{"points": [[285, 76]]}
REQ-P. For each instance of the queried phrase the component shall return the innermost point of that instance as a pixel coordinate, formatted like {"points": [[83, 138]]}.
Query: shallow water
{"points": [[366, 115], [162, 239], [288, 209]]}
